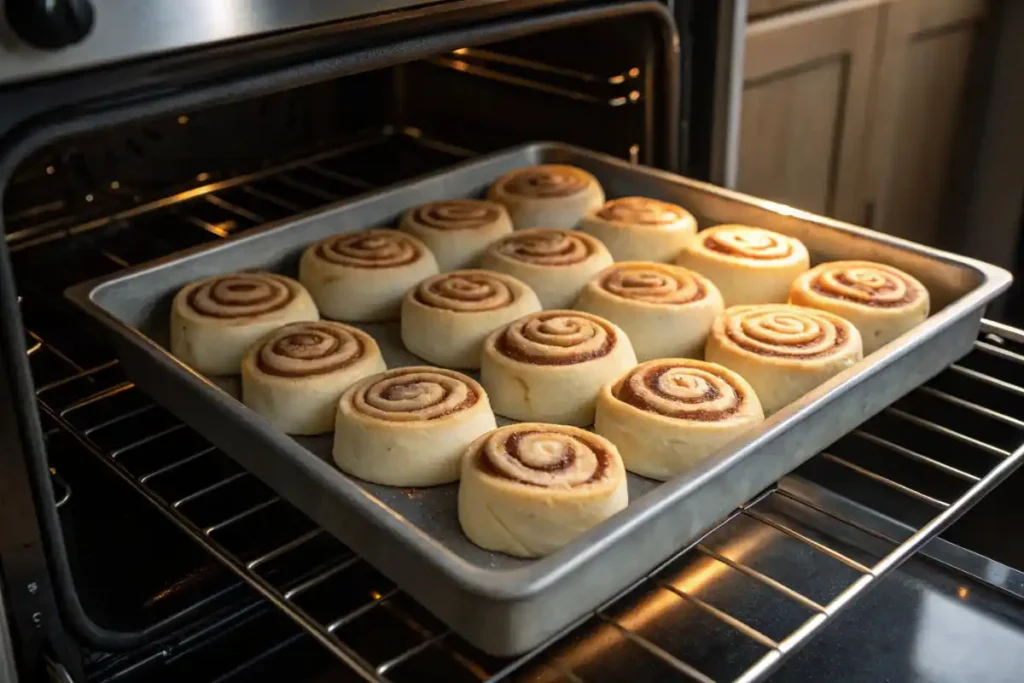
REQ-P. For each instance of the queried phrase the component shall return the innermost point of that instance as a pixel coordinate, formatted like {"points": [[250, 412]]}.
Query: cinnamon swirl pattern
{"points": [[881, 301], [550, 366], [549, 196], [409, 426], [295, 375], [641, 229], [665, 310], [361, 276], [457, 231], [749, 265], [556, 264], [214, 320], [446, 318], [529, 489], [784, 351], [665, 416]]}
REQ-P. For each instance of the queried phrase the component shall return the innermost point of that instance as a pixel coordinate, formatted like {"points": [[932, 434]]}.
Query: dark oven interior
{"points": [[176, 564]]}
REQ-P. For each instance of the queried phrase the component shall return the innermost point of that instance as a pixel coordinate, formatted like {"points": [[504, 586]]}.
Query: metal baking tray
{"points": [[502, 604]]}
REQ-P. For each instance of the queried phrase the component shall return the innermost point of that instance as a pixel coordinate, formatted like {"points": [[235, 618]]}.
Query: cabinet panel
{"points": [[924, 113], [789, 149], [807, 85]]}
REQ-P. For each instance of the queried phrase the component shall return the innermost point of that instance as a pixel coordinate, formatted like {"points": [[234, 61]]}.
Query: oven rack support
{"points": [[85, 418]]}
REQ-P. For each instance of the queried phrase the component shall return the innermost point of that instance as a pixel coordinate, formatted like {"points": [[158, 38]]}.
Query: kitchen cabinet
{"points": [[806, 90], [861, 109]]}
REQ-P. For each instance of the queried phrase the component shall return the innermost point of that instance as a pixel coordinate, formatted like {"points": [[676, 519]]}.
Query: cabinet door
{"points": [[925, 118], [807, 82]]}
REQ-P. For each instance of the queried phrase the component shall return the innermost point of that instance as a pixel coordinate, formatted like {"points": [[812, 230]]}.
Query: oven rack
{"points": [[338, 598], [654, 625]]}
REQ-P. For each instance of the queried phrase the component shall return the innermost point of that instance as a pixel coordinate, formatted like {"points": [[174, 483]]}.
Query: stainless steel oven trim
{"points": [[130, 29]]}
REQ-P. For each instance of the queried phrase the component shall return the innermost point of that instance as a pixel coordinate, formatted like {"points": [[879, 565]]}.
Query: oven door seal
{"points": [[30, 135]]}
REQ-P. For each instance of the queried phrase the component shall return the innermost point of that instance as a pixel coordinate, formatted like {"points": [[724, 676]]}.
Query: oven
{"points": [[133, 550]]}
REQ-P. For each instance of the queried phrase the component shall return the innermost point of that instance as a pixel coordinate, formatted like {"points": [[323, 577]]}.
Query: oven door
{"points": [[123, 150]]}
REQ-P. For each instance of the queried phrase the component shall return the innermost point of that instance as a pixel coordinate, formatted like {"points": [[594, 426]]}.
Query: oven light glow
{"points": [[203, 177], [962, 592], [183, 119], [50, 170], [114, 185]]}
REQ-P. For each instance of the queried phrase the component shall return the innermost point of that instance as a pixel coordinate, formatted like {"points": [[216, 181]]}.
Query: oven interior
{"points": [[182, 561]]}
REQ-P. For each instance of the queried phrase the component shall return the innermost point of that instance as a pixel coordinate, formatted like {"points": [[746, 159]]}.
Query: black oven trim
{"points": [[44, 554]]}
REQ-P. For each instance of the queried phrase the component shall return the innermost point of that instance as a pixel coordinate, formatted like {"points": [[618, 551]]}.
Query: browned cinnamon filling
{"points": [[239, 287], [368, 261], [507, 348], [640, 211], [712, 244], [912, 294], [393, 391], [291, 347], [624, 392], [634, 286], [840, 340], [455, 215], [511, 446], [546, 183]]}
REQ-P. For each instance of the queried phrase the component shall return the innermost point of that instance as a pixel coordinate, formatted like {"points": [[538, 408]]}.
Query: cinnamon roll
{"points": [[749, 265], [554, 263], [641, 229], [665, 416], [457, 231], [215, 320], [361, 276], [784, 351], [295, 375], [665, 310], [881, 301], [446, 318], [550, 366], [409, 426], [548, 196], [529, 489]]}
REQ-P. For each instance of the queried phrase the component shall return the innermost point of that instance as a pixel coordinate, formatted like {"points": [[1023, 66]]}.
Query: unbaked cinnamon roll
{"points": [[749, 265], [665, 416], [446, 318], [361, 276], [550, 366], [215, 320], [556, 264], [665, 310], [641, 229], [881, 301], [295, 375], [784, 351], [457, 231], [548, 196], [409, 426], [529, 489]]}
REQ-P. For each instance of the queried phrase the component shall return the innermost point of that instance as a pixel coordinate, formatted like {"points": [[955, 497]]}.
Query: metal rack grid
{"points": [[346, 605], [336, 596]]}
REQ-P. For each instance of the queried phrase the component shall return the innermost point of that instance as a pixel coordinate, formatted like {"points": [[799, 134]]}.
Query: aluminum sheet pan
{"points": [[502, 604]]}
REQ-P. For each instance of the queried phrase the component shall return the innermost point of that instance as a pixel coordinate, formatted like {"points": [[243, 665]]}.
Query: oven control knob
{"points": [[50, 24]]}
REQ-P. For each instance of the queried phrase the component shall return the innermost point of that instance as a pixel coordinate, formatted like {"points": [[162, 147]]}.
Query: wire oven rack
{"points": [[729, 608]]}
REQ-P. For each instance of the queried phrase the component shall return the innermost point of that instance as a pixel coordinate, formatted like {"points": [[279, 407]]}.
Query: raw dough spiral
{"points": [[749, 265], [529, 489], [214, 320], [362, 276], [665, 310], [667, 415], [784, 351], [457, 231], [556, 264], [881, 301], [295, 375], [446, 318], [550, 366], [641, 229], [552, 195], [409, 426]]}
